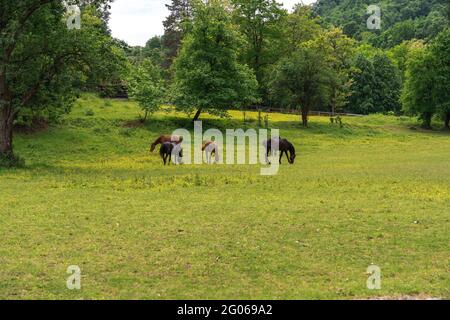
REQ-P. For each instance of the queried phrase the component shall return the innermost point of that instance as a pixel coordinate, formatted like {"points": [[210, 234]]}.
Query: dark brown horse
{"points": [[168, 149], [284, 146], [164, 139]]}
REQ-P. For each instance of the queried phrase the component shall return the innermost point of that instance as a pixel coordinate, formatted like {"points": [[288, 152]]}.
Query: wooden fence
{"points": [[295, 111]]}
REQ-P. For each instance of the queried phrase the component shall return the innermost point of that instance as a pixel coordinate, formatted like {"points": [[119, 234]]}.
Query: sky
{"points": [[136, 21]]}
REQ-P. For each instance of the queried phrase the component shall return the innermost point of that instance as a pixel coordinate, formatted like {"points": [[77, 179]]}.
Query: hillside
{"points": [[401, 19]]}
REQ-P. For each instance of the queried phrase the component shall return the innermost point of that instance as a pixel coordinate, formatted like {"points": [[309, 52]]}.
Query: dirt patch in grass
{"points": [[133, 124]]}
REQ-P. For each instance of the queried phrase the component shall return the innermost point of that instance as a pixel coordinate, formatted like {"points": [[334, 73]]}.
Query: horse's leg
{"points": [[217, 156], [165, 159], [281, 156], [288, 157], [268, 150]]}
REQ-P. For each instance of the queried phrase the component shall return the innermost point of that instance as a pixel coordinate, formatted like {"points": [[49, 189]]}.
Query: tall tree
{"points": [[386, 91], [260, 22], [155, 51], [174, 29], [208, 75], [400, 54], [440, 50], [42, 61], [304, 77], [300, 26], [417, 95], [147, 87], [363, 82], [339, 49]]}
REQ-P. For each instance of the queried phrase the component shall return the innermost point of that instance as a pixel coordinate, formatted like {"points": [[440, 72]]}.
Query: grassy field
{"points": [[374, 192]]}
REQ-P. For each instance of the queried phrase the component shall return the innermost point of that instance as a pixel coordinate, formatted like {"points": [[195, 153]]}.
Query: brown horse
{"points": [[166, 138]]}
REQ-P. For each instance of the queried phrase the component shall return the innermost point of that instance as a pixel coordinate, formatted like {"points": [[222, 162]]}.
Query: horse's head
{"points": [[293, 155]]}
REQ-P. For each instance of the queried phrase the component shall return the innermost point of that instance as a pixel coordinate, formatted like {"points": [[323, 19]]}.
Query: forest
{"points": [[357, 70], [220, 55]]}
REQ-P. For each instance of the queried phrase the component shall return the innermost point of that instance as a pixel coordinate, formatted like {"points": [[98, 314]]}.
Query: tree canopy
{"points": [[401, 19], [44, 63], [427, 83], [208, 74]]}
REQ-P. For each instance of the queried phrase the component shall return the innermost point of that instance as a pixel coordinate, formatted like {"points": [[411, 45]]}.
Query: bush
{"points": [[11, 161]]}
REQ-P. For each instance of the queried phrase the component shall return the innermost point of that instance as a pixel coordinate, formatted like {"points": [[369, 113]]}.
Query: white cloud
{"points": [[136, 21]]}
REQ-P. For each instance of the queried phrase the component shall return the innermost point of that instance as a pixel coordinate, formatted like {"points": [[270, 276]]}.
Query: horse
{"points": [[177, 153], [166, 138], [284, 146], [168, 149], [210, 148]]}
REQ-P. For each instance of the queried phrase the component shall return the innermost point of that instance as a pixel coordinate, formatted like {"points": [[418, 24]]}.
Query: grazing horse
{"points": [[284, 146], [168, 149], [166, 138], [177, 153], [211, 148]]}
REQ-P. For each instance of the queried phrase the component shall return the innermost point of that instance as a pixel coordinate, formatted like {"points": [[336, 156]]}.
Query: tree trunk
{"points": [[144, 120], [6, 131], [197, 115], [447, 120], [305, 112], [426, 117], [333, 104]]}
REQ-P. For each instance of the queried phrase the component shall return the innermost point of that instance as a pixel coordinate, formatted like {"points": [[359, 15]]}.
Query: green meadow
{"points": [[376, 191]]}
